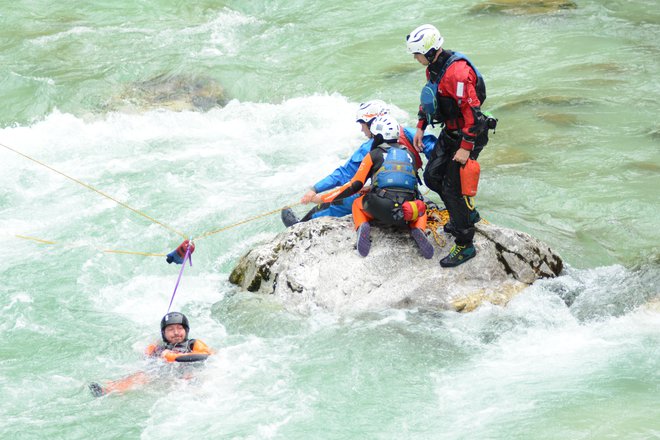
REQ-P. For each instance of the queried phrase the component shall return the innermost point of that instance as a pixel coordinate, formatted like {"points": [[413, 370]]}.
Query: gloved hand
{"points": [[169, 355], [179, 253]]}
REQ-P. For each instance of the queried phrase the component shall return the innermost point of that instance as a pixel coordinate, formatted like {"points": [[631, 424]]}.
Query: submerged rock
{"points": [[172, 92], [537, 101], [654, 133], [560, 119], [653, 304], [315, 264], [520, 7]]}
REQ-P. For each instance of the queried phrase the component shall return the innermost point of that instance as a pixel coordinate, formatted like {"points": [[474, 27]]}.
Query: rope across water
{"points": [[437, 218]]}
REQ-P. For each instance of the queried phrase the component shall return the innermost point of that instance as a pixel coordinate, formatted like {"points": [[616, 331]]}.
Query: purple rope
{"points": [[186, 257]]}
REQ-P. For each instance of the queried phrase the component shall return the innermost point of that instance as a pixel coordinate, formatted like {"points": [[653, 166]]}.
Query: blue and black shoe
{"points": [[363, 240], [458, 255], [96, 389], [288, 217]]}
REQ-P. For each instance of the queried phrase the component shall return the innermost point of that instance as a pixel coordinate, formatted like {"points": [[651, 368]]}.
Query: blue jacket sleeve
{"points": [[428, 140], [345, 172]]}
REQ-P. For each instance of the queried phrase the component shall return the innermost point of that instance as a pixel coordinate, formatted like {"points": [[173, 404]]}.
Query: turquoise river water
{"points": [[100, 91]]}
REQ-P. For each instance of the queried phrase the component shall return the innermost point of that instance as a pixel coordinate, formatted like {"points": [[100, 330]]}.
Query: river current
{"points": [[103, 92]]}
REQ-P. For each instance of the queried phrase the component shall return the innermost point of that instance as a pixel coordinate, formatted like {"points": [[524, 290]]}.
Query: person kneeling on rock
{"points": [[366, 114], [393, 198]]}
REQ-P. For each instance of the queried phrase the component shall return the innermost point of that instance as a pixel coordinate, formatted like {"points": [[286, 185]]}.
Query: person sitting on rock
{"points": [[393, 198], [366, 113], [176, 347]]}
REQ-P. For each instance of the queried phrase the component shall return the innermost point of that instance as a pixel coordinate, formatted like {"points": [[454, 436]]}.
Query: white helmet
{"points": [[370, 109], [424, 38], [387, 127]]}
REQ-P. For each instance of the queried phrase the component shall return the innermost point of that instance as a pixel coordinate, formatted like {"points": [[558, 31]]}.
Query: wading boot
{"points": [[96, 389], [458, 255], [288, 217]]}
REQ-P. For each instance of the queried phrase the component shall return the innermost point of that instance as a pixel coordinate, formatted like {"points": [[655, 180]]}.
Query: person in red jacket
{"points": [[452, 96], [176, 347]]}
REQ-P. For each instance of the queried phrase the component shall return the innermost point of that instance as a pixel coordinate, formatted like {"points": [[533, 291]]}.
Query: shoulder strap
{"points": [[453, 57], [403, 140], [437, 69], [449, 60]]}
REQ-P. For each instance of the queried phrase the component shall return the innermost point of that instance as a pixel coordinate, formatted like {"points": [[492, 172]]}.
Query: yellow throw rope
{"points": [[436, 220], [109, 251], [38, 240], [169, 228], [247, 220], [144, 254]]}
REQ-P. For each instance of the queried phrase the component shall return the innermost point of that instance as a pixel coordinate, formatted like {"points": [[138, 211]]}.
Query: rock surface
{"points": [[522, 7], [315, 264], [172, 92]]}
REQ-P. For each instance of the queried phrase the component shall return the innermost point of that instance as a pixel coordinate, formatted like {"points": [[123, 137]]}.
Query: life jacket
{"points": [[397, 171], [445, 108], [170, 352]]}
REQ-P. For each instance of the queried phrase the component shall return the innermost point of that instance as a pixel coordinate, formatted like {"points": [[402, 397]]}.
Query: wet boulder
{"points": [[522, 7], [171, 92], [315, 264]]}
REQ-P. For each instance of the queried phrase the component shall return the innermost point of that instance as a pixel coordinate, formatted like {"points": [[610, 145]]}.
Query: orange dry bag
{"points": [[470, 178]]}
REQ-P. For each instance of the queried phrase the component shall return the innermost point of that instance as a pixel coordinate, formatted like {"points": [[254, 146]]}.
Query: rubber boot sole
{"points": [[424, 245], [363, 240]]}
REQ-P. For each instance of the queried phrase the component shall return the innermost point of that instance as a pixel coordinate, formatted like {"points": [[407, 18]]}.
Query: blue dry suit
{"points": [[345, 172]]}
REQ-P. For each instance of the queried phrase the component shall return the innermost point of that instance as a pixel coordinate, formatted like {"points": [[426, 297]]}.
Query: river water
{"points": [[93, 90]]}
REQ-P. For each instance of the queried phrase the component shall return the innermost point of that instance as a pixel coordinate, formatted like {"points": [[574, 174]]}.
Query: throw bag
{"points": [[413, 209], [470, 177]]}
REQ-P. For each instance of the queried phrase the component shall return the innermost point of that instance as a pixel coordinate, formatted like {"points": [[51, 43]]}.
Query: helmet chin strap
{"points": [[430, 55], [378, 139]]}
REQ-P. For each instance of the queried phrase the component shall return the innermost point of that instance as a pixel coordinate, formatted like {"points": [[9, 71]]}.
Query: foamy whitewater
{"points": [[574, 162]]}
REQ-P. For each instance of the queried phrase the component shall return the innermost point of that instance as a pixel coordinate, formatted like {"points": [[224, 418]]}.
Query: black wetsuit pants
{"points": [[442, 175], [381, 204]]}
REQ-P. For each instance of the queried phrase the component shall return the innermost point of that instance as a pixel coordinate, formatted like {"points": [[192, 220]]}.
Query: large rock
{"points": [[172, 92], [315, 264], [521, 7]]}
